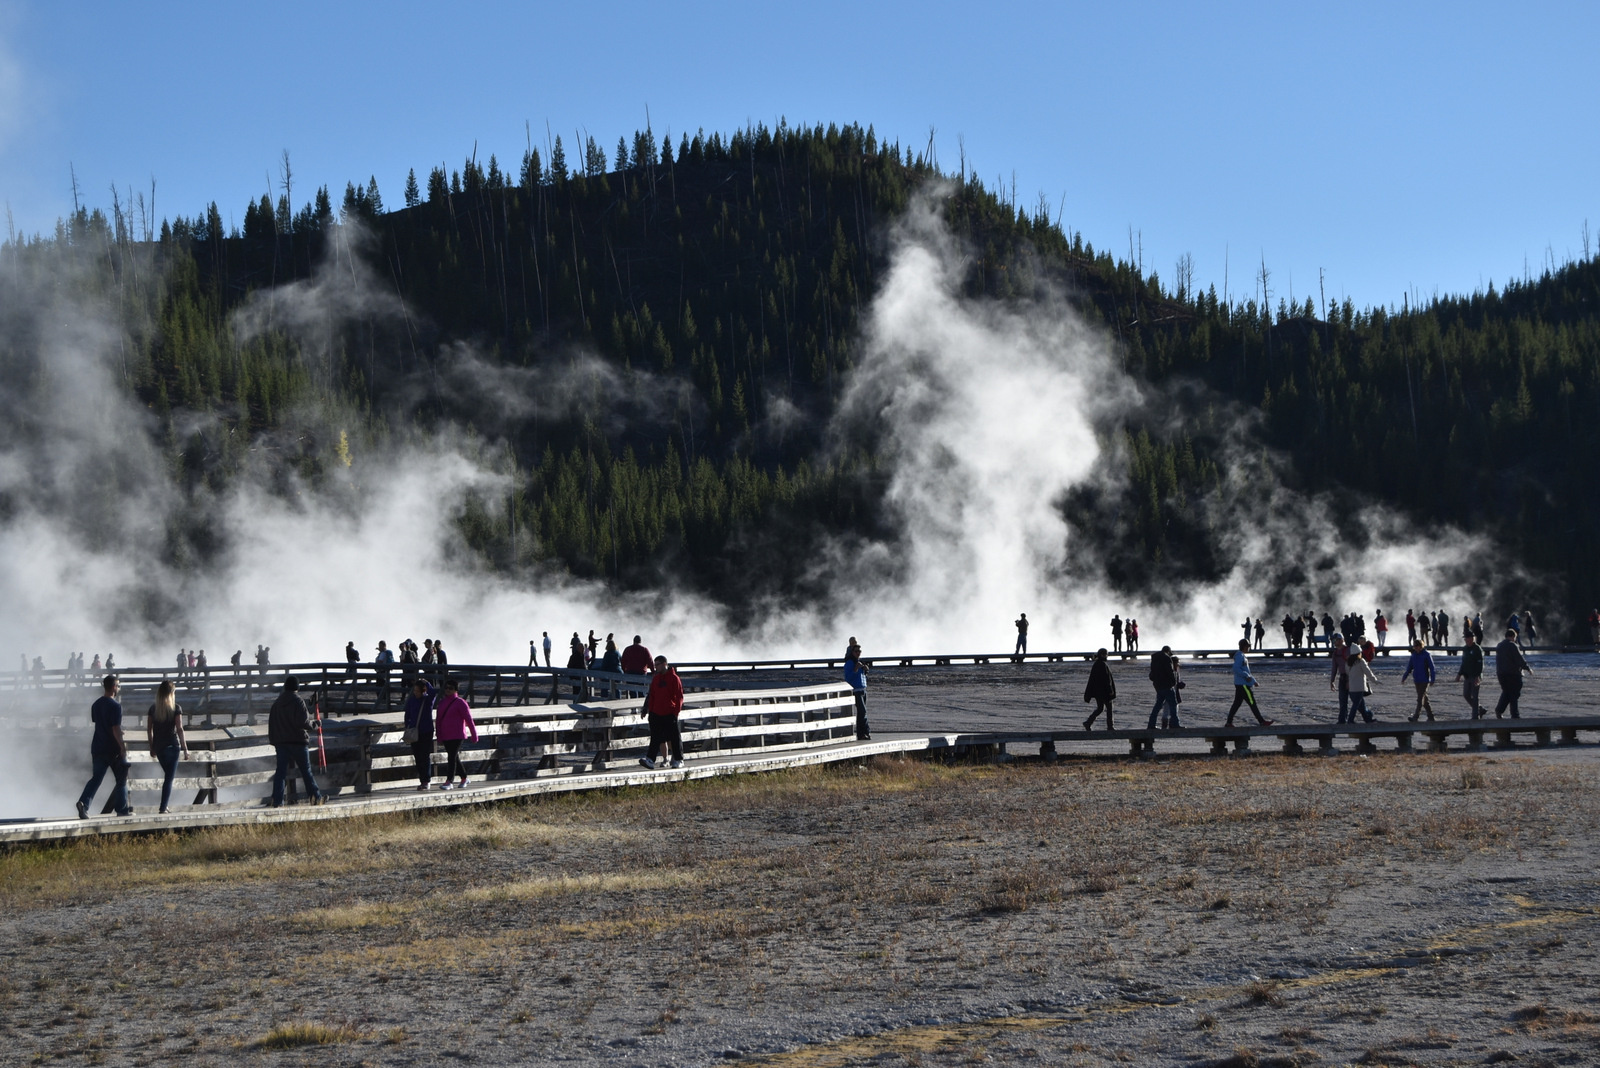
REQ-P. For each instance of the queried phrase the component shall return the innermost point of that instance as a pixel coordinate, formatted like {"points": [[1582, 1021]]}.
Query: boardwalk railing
{"points": [[346, 689], [370, 752]]}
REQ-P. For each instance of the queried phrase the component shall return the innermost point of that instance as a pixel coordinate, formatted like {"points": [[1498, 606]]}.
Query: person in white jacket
{"points": [[1244, 686]]}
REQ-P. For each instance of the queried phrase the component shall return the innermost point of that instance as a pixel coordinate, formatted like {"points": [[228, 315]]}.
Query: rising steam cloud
{"points": [[986, 415]]}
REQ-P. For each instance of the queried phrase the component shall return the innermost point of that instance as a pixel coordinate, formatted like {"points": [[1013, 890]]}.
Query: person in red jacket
{"points": [[662, 704], [452, 723]]}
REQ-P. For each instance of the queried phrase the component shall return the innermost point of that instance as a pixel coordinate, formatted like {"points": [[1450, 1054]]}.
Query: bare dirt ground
{"points": [[1262, 911]]}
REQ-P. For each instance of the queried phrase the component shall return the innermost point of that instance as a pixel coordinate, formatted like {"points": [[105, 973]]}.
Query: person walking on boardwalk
{"points": [[1340, 678], [1411, 626], [1261, 632], [855, 673], [594, 644], [419, 730], [289, 730], [1131, 629], [1361, 682], [1164, 677], [533, 652], [1424, 629], [453, 723], [1247, 628], [1509, 665], [1244, 685], [108, 750], [163, 726], [1470, 674], [547, 648], [1101, 689], [1022, 635], [1530, 633], [1116, 633], [1441, 633], [1420, 670], [662, 703], [1381, 625]]}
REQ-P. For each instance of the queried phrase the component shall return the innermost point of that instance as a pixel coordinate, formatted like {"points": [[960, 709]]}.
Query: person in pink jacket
{"points": [[452, 725]]}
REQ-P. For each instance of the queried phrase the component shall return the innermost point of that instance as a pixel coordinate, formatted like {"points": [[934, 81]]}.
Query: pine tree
{"points": [[412, 196]]}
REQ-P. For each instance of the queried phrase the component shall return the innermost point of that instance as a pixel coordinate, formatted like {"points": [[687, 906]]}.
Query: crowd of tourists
{"points": [[1350, 675]]}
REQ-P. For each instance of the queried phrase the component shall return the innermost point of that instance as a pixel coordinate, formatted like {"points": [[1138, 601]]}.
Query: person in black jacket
{"points": [[1164, 677], [1102, 688], [289, 730], [1509, 664]]}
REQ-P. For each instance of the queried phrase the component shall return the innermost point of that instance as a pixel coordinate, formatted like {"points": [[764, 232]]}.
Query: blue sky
{"points": [[1393, 147]]}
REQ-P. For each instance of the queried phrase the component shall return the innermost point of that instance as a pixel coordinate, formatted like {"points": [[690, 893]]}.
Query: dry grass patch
{"points": [[295, 1035], [602, 883]]}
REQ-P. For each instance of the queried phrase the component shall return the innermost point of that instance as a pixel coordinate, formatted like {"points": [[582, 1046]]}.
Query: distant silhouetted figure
{"points": [[547, 647], [352, 657], [1509, 666], [1101, 689], [1381, 625], [1132, 631], [236, 659], [383, 662], [577, 662], [1022, 634], [1261, 632], [1116, 633]]}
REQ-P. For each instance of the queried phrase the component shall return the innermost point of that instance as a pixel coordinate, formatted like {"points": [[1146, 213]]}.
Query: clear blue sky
{"points": [[1396, 146]]}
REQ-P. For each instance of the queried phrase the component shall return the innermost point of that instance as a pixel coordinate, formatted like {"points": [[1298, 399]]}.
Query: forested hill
{"points": [[679, 320]]}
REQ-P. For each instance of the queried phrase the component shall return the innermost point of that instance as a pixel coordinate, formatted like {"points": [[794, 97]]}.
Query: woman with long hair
{"points": [[163, 726]]}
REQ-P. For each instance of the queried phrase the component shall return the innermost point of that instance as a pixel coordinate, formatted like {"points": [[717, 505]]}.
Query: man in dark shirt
{"points": [[289, 730], [108, 750], [1509, 665]]}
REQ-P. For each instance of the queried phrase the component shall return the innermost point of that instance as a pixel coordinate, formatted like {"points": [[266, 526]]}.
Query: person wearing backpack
{"points": [[163, 726], [289, 730], [1164, 677], [1101, 689]]}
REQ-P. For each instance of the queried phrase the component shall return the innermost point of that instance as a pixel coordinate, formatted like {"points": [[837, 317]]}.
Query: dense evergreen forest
{"points": [[650, 340]]}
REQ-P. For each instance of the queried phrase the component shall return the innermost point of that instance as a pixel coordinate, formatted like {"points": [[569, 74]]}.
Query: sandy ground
{"points": [[1396, 909]]}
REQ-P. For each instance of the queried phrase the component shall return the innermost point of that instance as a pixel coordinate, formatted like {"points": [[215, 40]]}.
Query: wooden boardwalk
{"points": [[398, 795]]}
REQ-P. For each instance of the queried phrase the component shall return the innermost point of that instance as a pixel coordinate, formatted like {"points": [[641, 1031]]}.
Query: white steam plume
{"points": [[987, 416]]}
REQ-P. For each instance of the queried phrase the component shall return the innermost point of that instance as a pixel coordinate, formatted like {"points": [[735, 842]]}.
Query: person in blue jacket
{"points": [[1420, 670], [855, 673], [1244, 685]]}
